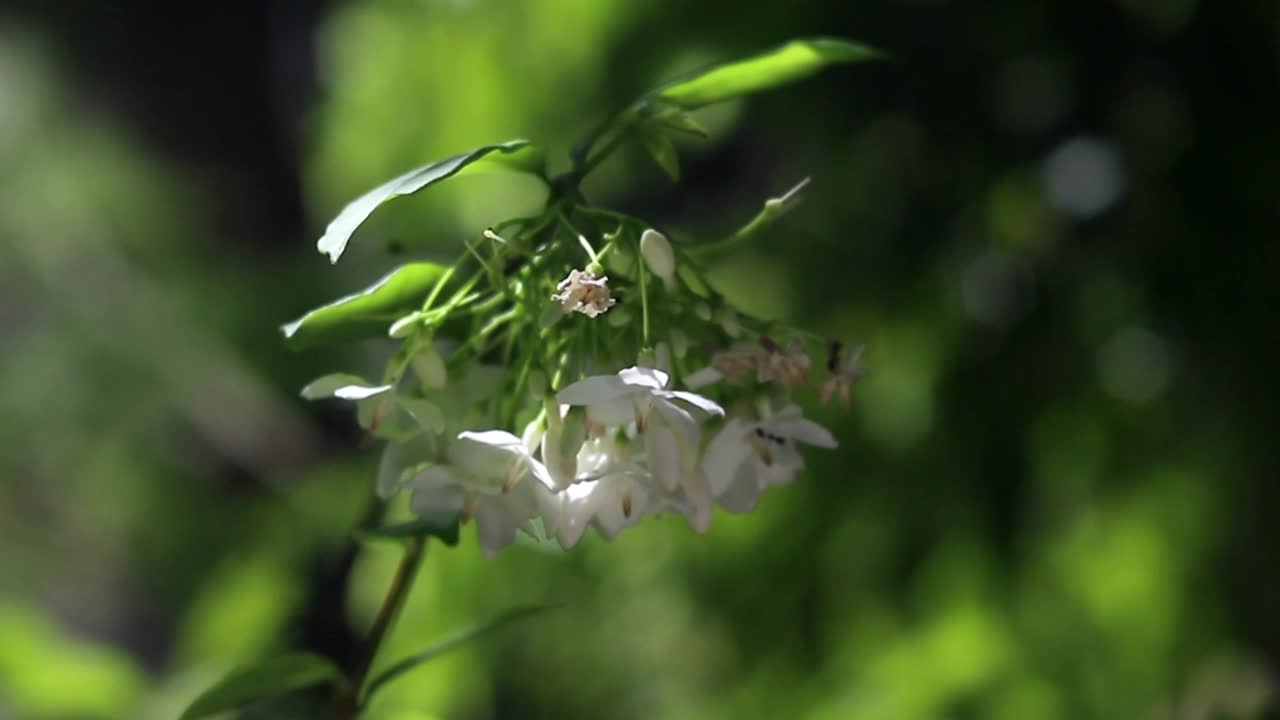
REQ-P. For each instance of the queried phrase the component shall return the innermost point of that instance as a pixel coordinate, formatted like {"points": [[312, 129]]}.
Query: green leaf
{"points": [[445, 529], [343, 386], [426, 413], [270, 678], [519, 155], [452, 641], [390, 467], [793, 61], [368, 312], [661, 149], [672, 117]]}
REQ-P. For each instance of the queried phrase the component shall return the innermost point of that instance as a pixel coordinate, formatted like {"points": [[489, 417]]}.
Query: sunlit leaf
{"points": [[793, 61], [519, 155], [452, 641], [271, 678], [661, 149], [369, 312], [343, 386]]}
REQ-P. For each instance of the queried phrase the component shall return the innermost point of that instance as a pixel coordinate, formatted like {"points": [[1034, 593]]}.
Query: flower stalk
{"points": [[353, 699]]}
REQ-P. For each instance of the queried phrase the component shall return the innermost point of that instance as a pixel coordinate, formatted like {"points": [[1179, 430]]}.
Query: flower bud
{"points": [[404, 327], [563, 439], [658, 255], [574, 433]]}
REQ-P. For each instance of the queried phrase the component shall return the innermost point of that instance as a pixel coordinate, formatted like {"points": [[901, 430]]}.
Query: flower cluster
{"points": [[612, 450], [619, 416]]}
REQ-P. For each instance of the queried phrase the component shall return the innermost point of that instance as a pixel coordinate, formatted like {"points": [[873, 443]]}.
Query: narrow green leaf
{"points": [[680, 120], [270, 678], [343, 386], [519, 155], [452, 641], [445, 529], [662, 150], [793, 61], [369, 312]]}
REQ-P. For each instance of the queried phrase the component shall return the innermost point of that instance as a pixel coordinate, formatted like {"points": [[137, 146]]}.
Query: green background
{"points": [[1054, 224]]}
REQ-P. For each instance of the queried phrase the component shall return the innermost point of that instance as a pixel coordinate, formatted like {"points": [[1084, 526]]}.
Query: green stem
{"points": [[644, 302], [773, 209], [351, 702], [619, 134]]}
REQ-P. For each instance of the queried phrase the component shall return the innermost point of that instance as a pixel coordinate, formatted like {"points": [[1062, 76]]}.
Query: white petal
{"points": [[592, 390], [550, 509], [711, 407], [493, 438], [679, 420], [436, 490], [702, 378], [663, 452], [802, 430], [786, 463], [539, 472], [743, 492], [727, 452], [698, 493], [609, 517], [532, 435], [359, 392], [576, 513], [651, 378], [618, 411], [495, 528], [483, 459]]}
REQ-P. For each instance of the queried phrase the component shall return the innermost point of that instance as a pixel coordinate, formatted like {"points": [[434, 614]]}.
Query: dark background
{"points": [[1053, 223]]}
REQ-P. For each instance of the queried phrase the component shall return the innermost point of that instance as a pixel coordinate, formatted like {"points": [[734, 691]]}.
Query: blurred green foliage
{"points": [[1053, 490]]}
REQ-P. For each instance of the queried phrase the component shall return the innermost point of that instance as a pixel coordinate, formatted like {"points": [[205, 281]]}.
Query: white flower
{"points": [[745, 458], [670, 433], [619, 399], [612, 492], [584, 292], [492, 477]]}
